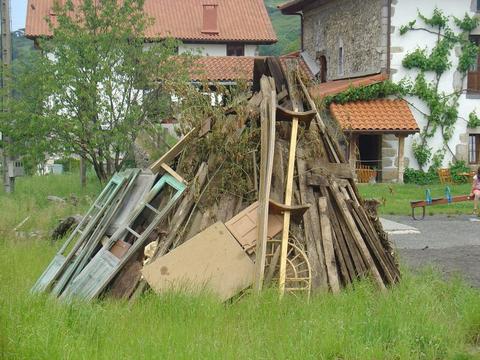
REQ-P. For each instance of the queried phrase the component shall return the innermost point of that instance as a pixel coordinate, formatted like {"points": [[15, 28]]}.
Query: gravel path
{"points": [[452, 244]]}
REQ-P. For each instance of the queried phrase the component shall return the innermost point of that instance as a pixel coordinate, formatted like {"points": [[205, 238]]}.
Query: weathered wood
{"points": [[244, 226], [266, 169], [288, 202], [172, 172], [288, 115], [171, 154], [328, 246], [357, 236], [212, 260], [278, 177], [342, 171], [312, 232], [296, 211]]}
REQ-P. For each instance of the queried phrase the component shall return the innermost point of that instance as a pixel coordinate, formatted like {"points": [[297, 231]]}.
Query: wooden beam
{"points": [[288, 115], [288, 202], [328, 249], [171, 154], [172, 172], [268, 114]]}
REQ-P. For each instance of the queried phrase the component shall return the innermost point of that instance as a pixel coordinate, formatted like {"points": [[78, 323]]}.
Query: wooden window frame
{"points": [[474, 149], [235, 49]]}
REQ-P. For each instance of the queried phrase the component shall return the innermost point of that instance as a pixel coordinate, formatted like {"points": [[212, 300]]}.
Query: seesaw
{"points": [[448, 199]]}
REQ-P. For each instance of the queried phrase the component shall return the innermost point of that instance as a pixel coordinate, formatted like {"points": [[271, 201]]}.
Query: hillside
{"points": [[287, 28], [20, 44]]}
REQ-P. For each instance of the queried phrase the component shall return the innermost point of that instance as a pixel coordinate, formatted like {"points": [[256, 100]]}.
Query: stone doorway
{"points": [[370, 153]]}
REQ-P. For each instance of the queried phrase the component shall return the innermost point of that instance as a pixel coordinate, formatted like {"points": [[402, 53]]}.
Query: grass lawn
{"points": [[395, 198], [423, 317]]}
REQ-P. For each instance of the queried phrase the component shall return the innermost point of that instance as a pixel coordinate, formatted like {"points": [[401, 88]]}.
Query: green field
{"points": [[396, 198], [423, 317]]}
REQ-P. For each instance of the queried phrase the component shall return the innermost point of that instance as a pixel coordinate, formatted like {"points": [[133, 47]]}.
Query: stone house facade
{"points": [[358, 39], [350, 35]]}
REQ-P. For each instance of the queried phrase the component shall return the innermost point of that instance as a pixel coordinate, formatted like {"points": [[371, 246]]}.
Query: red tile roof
{"points": [[335, 87], [382, 115], [222, 68], [232, 68], [238, 20]]}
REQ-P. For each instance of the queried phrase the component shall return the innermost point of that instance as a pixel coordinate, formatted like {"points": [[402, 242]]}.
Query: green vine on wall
{"points": [[443, 108]]}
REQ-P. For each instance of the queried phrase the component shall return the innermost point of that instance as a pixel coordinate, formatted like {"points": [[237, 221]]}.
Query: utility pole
{"points": [[8, 178]]}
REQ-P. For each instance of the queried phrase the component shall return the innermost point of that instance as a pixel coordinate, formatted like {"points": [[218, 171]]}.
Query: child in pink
{"points": [[476, 191]]}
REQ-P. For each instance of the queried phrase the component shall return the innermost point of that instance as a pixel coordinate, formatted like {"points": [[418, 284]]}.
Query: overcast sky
{"points": [[19, 13]]}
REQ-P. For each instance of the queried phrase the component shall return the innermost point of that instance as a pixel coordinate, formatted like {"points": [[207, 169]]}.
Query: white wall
{"points": [[204, 49], [404, 12]]}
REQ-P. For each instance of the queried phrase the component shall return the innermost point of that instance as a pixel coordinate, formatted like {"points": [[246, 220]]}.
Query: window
{"points": [[235, 50], [340, 60], [474, 149], [478, 5], [473, 83]]}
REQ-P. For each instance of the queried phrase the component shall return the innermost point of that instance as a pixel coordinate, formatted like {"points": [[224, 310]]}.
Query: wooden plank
{"points": [[275, 69], [306, 194], [212, 261], [171, 154], [172, 172], [349, 249], [332, 143], [357, 236], [284, 114], [342, 171], [266, 170], [244, 226], [288, 201], [388, 258], [328, 246], [370, 242], [295, 210]]}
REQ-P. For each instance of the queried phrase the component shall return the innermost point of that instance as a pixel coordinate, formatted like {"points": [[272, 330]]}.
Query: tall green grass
{"points": [[424, 317]]}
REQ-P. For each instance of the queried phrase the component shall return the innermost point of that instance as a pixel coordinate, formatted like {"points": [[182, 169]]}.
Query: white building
{"points": [[227, 31], [357, 44]]}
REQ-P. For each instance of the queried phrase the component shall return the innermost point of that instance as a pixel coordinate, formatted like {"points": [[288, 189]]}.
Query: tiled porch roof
{"points": [[382, 115]]}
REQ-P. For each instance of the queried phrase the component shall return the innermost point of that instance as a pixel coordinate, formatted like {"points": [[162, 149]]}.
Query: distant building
{"points": [[225, 32], [356, 43]]}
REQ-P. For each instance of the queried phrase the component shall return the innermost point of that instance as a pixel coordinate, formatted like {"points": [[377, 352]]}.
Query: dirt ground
{"points": [[451, 244]]}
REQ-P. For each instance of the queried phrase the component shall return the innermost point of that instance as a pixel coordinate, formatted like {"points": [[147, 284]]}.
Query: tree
{"points": [[93, 87]]}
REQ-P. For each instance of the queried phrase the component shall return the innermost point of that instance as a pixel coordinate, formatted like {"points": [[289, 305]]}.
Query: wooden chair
{"points": [[445, 176], [365, 173]]}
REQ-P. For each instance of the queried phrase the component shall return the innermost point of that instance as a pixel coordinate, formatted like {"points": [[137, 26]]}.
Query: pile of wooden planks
{"points": [[259, 196]]}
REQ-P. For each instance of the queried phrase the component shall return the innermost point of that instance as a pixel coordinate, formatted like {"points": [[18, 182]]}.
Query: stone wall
{"points": [[390, 158], [359, 26]]}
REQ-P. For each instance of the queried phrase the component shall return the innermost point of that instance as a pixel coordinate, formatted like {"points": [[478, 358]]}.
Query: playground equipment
{"points": [[448, 199]]}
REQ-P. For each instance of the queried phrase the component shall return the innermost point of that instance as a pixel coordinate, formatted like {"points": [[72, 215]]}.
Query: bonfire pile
{"points": [[260, 195]]}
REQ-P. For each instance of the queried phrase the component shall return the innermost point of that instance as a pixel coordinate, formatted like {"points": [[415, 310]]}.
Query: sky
{"points": [[19, 13]]}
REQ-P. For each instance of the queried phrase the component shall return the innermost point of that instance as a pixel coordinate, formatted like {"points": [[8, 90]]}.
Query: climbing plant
{"points": [[443, 107]]}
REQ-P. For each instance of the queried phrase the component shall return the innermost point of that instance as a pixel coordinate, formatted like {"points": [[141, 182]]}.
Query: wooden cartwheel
{"points": [[298, 273]]}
